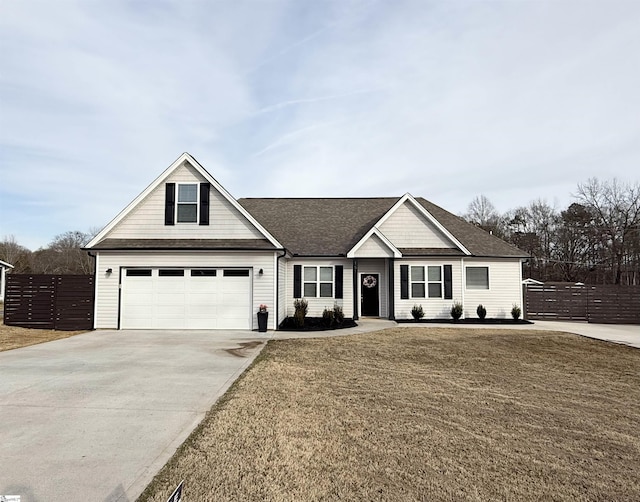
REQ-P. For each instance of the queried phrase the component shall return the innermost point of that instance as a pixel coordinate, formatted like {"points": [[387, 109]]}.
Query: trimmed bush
{"points": [[515, 312], [301, 308], [328, 317], [417, 312], [338, 314], [456, 311], [481, 311]]}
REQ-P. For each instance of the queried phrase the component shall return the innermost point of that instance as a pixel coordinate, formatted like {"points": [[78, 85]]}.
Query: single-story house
{"points": [[186, 254], [4, 268]]}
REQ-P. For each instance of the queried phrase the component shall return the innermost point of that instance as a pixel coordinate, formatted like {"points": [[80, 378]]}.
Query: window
{"points": [[170, 272], [187, 206], [139, 272], [477, 277], [317, 282], [235, 273], [417, 282], [426, 286], [205, 272], [434, 279]]}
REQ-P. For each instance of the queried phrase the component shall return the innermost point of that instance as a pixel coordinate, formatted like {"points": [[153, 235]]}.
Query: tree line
{"points": [[595, 240], [63, 255]]}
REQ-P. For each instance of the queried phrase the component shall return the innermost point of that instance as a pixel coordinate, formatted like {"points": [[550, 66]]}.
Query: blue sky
{"points": [[516, 100]]}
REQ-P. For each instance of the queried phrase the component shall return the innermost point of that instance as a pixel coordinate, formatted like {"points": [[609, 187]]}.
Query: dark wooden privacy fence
{"points": [[63, 302], [561, 301]]}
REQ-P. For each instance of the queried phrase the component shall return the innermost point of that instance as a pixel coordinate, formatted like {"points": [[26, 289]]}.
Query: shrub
{"points": [[481, 311], [515, 312], [328, 317], [302, 307], [456, 311], [417, 312], [338, 314]]}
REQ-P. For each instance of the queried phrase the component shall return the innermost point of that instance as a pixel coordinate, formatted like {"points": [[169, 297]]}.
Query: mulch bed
{"points": [[314, 324]]}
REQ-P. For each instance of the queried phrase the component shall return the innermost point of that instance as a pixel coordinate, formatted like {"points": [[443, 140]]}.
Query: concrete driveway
{"points": [[95, 416]]}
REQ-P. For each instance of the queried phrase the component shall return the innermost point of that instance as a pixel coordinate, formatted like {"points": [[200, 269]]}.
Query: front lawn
{"points": [[434, 414], [14, 337]]}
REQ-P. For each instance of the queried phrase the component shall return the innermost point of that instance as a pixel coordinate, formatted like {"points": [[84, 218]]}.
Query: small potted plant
{"points": [[263, 316]]}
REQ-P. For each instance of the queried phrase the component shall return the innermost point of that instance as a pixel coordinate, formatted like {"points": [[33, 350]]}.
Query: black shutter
{"points": [[297, 281], [404, 282], [448, 283], [339, 275], [204, 203], [170, 204]]}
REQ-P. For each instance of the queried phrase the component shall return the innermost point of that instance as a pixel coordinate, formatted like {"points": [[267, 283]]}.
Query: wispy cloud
{"points": [[516, 100]]}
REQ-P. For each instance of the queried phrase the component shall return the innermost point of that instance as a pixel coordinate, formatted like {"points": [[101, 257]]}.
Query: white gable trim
{"points": [[380, 235], [185, 157], [4, 264], [409, 198]]}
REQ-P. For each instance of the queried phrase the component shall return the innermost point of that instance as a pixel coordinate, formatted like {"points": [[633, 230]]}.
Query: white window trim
{"points": [[426, 283], [317, 282], [197, 203], [466, 287]]}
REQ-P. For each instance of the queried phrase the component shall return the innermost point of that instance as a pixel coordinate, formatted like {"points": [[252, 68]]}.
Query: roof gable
{"points": [[143, 217], [374, 245], [409, 225]]}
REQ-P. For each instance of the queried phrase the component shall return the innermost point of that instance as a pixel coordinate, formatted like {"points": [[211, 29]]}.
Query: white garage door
{"points": [[192, 298]]}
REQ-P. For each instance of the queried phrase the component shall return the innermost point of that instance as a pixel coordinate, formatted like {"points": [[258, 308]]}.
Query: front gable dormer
{"points": [[184, 202], [407, 228]]}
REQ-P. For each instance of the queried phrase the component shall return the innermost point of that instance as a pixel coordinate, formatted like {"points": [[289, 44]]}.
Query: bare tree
{"points": [[616, 207], [13, 253], [482, 213]]}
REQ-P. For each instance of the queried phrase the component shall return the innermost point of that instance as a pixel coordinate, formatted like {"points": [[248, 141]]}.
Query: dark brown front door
{"points": [[369, 289]]}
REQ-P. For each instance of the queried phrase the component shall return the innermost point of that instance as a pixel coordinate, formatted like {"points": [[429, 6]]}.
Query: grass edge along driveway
{"points": [[421, 414]]}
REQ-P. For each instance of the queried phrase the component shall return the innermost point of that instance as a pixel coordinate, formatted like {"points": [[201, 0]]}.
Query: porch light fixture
{"points": [[260, 272], [109, 271]]}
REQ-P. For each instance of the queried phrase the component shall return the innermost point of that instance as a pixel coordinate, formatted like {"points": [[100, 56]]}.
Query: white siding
{"points": [[407, 228], [317, 305], [107, 285], [376, 267], [505, 288], [434, 308], [146, 220], [373, 247]]}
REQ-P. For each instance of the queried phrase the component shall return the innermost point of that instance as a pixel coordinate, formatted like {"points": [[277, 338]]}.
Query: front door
{"points": [[369, 290]]}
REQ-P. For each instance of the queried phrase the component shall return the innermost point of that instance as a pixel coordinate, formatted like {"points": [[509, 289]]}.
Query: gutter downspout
{"points": [[356, 300], [95, 286], [277, 283]]}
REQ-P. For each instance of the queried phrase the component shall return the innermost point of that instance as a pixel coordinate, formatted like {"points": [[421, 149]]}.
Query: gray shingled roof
{"points": [[331, 227]]}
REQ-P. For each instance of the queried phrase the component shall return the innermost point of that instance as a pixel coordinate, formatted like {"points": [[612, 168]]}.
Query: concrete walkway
{"points": [[95, 416], [626, 334]]}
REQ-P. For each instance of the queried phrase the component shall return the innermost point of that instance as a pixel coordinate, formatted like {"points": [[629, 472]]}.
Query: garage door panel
{"points": [[187, 299]]}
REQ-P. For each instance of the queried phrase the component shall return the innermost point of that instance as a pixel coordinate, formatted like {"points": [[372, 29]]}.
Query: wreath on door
{"points": [[369, 281]]}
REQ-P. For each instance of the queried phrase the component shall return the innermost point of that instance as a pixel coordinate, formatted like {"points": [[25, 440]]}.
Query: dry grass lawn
{"points": [[14, 337], [422, 414]]}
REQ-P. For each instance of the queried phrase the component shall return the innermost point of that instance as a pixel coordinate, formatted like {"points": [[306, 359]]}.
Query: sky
{"points": [[449, 99]]}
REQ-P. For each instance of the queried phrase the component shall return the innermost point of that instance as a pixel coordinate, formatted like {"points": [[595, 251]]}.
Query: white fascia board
{"points": [[374, 231], [409, 198], [177, 163], [5, 264]]}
